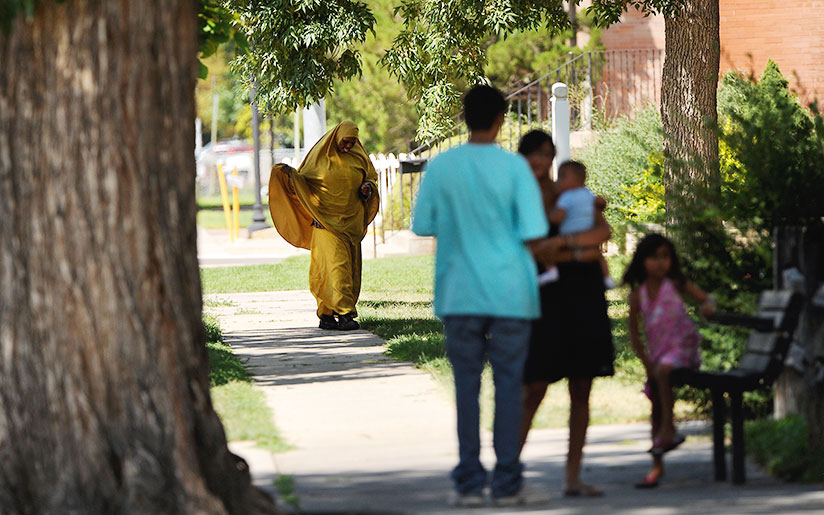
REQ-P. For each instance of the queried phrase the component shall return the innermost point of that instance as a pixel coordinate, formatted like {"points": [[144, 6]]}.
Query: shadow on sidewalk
{"points": [[301, 355]]}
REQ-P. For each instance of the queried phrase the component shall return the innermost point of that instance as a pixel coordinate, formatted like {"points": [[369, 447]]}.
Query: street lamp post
{"points": [[258, 218]]}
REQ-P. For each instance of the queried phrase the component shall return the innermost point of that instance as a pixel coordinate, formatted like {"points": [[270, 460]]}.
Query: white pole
{"points": [[560, 125], [297, 138], [314, 123], [214, 112], [198, 135]]}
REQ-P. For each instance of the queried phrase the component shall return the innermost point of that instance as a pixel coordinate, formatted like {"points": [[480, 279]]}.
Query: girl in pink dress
{"points": [[672, 341]]}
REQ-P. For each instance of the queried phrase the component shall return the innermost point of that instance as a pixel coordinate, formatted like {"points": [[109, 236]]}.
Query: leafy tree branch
{"points": [[298, 48]]}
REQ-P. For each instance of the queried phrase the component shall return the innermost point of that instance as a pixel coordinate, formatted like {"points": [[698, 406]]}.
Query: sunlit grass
{"points": [[216, 219], [241, 407]]}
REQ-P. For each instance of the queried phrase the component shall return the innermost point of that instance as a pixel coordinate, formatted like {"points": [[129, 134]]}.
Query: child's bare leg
{"points": [[655, 417], [533, 395], [657, 461], [665, 395], [578, 422]]}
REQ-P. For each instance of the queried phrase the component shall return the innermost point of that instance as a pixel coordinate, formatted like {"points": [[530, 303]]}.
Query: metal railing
{"points": [[602, 84]]}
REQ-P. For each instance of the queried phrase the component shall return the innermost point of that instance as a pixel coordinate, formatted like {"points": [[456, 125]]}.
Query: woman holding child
{"points": [[573, 338]]}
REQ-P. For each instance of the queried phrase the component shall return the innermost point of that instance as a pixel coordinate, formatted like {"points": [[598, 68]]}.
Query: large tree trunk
{"points": [[688, 99], [104, 391]]}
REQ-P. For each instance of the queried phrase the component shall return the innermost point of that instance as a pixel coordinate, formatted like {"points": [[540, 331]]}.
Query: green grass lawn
{"points": [[396, 304], [216, 219], [289, 274], [241, 408], [246, 197]]}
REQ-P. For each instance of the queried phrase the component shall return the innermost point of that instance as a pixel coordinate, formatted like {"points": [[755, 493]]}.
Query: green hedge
{"points": [[781, 447]]}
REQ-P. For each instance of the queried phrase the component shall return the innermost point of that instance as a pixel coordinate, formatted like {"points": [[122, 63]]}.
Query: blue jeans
{"points": [[505, 341]]}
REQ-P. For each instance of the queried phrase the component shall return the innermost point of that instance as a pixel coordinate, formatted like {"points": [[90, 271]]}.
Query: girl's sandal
{"points": [[660, 446], [649, 481], [583, 491]]}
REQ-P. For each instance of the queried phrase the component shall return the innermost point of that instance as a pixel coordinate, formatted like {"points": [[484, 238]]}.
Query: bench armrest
{"points": [[740, 320]]}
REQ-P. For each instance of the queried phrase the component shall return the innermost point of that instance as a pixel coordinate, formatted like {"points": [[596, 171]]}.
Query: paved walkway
{"points": [[376, 436]]}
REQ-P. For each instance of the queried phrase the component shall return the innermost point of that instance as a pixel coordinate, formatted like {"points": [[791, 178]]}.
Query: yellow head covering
{"points": [[325, 188]]}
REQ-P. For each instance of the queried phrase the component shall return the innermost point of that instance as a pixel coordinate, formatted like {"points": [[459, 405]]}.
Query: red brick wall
{"points": [[635, 32], [752, 31], [791, 33]]}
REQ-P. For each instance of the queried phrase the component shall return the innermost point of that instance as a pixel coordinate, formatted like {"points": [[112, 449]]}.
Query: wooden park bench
{"points": [[772, 333]]}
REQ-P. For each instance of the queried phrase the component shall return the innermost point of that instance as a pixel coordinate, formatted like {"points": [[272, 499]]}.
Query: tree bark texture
{"points": [[801, 391], [688, 98], [104, 389]]}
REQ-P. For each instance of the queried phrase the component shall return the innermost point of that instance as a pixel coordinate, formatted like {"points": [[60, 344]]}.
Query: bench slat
{"points": [[762, 343], [755, 362], [758, 323], [775, 300]]}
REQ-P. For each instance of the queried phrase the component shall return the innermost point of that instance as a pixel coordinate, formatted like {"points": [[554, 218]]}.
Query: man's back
{"points": [[483, 204]]}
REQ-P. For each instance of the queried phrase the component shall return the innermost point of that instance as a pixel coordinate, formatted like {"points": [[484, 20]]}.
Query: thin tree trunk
{"points": [[799, 389], [104, 391], [688, 99]]}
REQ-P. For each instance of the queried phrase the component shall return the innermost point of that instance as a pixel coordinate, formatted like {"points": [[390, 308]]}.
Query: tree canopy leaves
{"points": [[298, 47], [443, 45], [607, 12]]}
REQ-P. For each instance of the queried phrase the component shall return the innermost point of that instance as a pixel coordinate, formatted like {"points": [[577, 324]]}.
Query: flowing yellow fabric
{"points": [[334, 273], [326, 188]]}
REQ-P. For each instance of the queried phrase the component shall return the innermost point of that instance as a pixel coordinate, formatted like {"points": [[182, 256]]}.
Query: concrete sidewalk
{"points": [[372, 435]]}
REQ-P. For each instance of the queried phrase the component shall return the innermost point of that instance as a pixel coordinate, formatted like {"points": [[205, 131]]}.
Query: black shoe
{"points": [[347, 322], [328, 322]]}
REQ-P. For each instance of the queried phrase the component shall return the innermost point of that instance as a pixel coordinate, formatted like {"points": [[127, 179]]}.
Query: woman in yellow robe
{"points": [[326, 206]]}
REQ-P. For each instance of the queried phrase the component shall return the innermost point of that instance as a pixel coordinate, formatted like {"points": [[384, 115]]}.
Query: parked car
{"points": [[233, 153]]}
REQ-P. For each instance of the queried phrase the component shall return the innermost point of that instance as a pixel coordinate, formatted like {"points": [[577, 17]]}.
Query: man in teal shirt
{"points": [[484, 207]]}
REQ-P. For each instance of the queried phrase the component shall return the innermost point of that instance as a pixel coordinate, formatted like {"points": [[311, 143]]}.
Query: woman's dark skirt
{"points": [[573, 337]]}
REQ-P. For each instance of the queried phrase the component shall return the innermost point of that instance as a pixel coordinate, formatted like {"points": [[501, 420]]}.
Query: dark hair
{"points": [[533, 140], [636, 273], [577, 168], [482, 104]]}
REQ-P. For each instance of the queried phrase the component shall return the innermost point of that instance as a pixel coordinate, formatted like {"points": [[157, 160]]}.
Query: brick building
{"points": [[752, 31]]}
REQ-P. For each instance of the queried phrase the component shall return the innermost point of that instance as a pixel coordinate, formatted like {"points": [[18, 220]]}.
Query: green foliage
{"points": [[524, 56], [224, 367], [212, 329], [624, 165], [607, 12], [216, 28], [285, 485], [776, 177], [781, 447], [770, 151], [376, 101], [298, 48], [442, 45]]}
